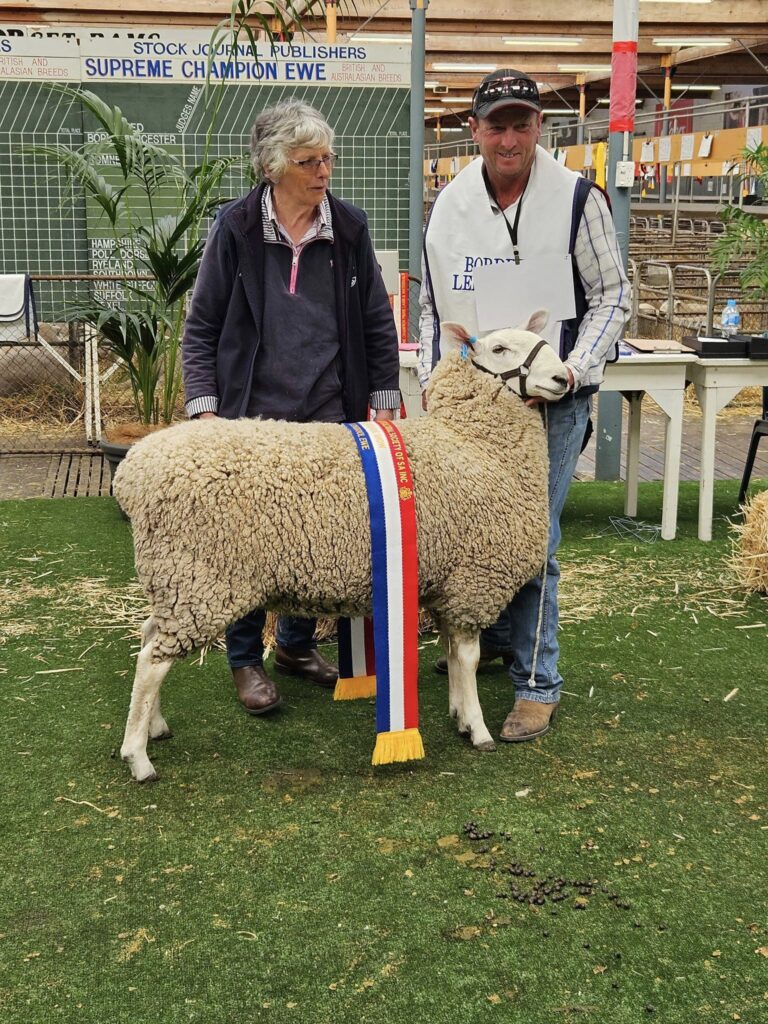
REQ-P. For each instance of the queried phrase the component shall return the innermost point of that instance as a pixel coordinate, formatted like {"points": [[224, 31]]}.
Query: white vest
{"points": [[464, 232]]}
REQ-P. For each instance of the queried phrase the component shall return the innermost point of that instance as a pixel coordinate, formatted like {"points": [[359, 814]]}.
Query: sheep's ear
{"points": [[453, 335], [537, 321]]}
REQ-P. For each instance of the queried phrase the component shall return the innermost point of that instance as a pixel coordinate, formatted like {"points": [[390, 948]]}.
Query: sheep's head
{"points": [[518, 356]]}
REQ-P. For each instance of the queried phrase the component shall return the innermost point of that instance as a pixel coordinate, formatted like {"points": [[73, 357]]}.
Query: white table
{"points": [[663, 377], [717, 381]]}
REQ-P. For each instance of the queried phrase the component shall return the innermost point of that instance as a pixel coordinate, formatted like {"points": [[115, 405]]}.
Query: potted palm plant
{"points": [[129, 182], [157, 254]]}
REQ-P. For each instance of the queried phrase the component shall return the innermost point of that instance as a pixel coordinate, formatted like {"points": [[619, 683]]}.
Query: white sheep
{"points": [[229, 516]]}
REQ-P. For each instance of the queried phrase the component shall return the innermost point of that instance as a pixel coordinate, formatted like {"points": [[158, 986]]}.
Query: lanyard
{"points": [[511, 228]]}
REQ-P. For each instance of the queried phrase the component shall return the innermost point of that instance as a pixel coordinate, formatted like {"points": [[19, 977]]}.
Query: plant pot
{"points": [[116, 445], [114, 454]]}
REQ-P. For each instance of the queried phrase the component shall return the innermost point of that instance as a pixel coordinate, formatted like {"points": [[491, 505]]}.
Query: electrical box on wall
{"points": [[625, 174]]}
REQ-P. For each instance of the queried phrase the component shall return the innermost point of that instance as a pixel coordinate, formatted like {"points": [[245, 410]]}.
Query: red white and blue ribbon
{"points": [[357, 666], [394, 562]]}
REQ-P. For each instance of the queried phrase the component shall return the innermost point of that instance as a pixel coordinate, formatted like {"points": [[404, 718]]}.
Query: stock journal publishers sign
{"points": [[187, 58], [158, 78]]}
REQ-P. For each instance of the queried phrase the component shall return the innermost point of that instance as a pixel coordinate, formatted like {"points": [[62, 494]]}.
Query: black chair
{"points": [[759, 430]]}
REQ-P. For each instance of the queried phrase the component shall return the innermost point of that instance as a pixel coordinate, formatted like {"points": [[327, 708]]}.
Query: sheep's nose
{"points": [[562, 381]]}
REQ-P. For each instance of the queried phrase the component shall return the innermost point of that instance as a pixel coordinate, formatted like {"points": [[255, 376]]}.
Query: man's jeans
{"points": [[245, 646], [515, 631]]}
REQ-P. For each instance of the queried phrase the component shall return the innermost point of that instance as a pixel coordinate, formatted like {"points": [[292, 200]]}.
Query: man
{"points": [[517, 204], [289, 320]]}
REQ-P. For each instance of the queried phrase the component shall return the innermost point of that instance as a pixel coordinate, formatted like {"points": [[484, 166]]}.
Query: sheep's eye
{"points": [[498, 349]]}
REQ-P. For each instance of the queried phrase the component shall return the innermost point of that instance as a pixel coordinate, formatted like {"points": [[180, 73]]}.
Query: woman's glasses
{"points": [[312, 165]]}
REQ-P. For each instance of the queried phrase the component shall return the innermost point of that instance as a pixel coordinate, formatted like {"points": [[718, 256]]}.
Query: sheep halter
{"points": [[394, 563], [520, 371]]}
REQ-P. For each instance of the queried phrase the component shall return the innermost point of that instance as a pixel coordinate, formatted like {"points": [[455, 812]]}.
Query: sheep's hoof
{"points": [[485, 745], [166, 734], [145, 773]]}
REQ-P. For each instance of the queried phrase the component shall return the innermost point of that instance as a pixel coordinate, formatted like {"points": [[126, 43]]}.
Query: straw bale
{"points": [[749, 556]]}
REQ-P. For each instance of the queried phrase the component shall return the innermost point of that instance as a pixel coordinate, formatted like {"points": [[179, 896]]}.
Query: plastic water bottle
{"points": [[730, 319]]}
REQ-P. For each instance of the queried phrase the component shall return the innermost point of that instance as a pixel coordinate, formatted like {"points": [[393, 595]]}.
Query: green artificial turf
{"points": [[273, 875]]}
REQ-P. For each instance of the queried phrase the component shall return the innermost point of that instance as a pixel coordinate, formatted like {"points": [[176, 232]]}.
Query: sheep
{"points": [[232, 515]]}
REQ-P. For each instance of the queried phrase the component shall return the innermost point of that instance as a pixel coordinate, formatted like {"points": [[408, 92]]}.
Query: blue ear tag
{"points": [[464, 350]]}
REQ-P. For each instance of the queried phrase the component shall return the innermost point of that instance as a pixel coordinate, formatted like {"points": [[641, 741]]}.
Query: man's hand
{"points": [[207, 416], [424, 400], [384, 414]]}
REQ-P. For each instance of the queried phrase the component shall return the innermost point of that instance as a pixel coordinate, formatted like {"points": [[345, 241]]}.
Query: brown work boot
{"points": [[307, 664], [255, 690], [527, 720], [487, 657]]}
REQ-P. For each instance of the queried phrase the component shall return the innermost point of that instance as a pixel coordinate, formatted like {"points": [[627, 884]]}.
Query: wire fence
{"points": [[60, 383]]}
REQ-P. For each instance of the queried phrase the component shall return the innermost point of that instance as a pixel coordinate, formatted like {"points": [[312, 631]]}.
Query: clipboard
{"points": [[658, 346]]}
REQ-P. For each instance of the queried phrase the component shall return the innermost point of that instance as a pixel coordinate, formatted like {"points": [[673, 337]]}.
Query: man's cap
{"points": [[505, 88]]}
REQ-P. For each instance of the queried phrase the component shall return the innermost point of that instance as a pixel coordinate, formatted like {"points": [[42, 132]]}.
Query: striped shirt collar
{"points": [[274, 232]]}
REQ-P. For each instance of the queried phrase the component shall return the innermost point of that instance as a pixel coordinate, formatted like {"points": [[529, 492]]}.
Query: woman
{"points": [[289, 320]]}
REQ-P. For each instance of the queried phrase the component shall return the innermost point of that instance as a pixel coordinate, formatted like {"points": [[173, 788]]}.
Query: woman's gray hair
{"points": [[280, 129]]}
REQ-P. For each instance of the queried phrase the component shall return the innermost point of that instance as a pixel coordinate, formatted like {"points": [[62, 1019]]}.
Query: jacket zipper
{"points": [[294, 271]]}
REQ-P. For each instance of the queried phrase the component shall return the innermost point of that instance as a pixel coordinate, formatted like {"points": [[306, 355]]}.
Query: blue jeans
{"points": [[516, 630], [245, 646]]}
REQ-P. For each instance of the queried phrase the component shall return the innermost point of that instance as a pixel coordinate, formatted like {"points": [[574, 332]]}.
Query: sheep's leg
{"points": [[455, 709], [463, 659], [158, 727], [144, 709]]}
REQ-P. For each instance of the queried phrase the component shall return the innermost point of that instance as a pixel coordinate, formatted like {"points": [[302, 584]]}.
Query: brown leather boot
{"points": [[307, 664], [255, 690], [527, 720]]}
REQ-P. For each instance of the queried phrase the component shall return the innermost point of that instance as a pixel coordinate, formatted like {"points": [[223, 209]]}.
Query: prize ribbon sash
{"points": [[394, 562], [357, 667]]}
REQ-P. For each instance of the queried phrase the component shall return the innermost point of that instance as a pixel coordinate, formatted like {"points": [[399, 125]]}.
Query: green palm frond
{"points": [[745, 236], [85, 173]]}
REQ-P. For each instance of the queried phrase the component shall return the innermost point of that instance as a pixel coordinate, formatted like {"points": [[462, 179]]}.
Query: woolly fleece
{"points": [[229, 516]]}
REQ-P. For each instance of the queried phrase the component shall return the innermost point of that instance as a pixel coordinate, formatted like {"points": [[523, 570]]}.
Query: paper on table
{"points": [[647, 153], [687, 143], [507, 293], [665, 149], [705, 146]]}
